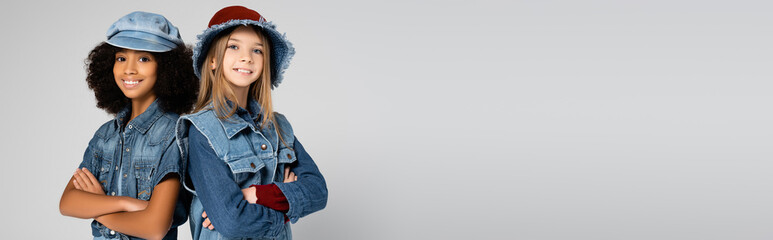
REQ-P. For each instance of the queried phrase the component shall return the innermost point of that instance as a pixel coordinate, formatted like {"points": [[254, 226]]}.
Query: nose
{"points": [[246, 57], [130, 67]]}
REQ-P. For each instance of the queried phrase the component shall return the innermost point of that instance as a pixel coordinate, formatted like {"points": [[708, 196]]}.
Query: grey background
{"points": [[548, 119]]}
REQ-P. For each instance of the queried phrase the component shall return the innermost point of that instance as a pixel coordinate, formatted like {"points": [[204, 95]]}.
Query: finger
{"points": [[206, 223], [204, 214], [211, 227], [93, 179], [296, 178], [84, 179], [78, 179], [76, 184], [290, 177], [287, 172]]}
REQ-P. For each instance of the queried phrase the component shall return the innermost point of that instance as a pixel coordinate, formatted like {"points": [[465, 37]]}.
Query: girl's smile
{"points": [[244, 57], [135, 73], [130, 84], [243, 71]]}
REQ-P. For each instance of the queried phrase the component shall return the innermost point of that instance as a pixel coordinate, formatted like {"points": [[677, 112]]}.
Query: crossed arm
{"points": [[84, 198], [251, 196]]}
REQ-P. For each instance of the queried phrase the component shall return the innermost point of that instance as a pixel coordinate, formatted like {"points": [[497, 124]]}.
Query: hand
{"points": [[289, 176], [249, 195], [85, 181], [207, 223]]}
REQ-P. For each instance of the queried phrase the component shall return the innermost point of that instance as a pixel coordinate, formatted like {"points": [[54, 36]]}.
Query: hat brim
{"points": [[282, 49], [141, 41]]}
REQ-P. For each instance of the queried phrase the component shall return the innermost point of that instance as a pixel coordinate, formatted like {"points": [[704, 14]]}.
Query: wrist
{"points": [[254, 193], [123, 202]]}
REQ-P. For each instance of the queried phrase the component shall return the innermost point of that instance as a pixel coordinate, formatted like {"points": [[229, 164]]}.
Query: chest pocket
{"points": [[143, 172], [246, 170]]}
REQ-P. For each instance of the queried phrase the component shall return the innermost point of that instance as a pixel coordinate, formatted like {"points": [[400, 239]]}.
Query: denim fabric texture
{"points": [[132, 160], [227, 155], [145, 32]]}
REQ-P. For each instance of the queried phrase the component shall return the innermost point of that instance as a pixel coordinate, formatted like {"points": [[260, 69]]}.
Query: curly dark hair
{"points": [[176, 85]]}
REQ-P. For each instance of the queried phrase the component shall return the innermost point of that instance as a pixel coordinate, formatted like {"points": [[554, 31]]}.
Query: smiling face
{"points": [[135, 74], [243, 58]]}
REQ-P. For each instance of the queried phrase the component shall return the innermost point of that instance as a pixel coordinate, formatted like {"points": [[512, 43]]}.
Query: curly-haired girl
{"points": [[129, 179]]}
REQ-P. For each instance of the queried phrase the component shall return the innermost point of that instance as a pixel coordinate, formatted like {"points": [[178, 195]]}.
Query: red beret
{"points": [[235, 12]]}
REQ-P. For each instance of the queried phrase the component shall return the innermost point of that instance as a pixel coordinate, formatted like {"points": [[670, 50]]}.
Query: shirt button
{"points": [[130, 126], [127, 149], [289, 156], [112, 193], [116, 167], [263, 147], [102, 169], [112, 232], [252, 165], [124, 175]]}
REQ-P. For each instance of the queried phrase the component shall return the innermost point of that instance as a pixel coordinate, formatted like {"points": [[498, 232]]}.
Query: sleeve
{"points": [[222, 198], [309, 193], [88, 158], [170, 163]]}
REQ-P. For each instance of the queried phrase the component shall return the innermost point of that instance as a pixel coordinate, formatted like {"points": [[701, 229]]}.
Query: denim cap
{"points": [[144, 31], [282, 50]]}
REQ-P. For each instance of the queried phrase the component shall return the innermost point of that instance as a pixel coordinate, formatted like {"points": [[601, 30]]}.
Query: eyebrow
{"points": [[237, 40]]}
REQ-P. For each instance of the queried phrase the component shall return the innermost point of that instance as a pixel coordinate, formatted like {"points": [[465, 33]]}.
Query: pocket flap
{"points": [[245, 164], [286, 155], [143, 171]]}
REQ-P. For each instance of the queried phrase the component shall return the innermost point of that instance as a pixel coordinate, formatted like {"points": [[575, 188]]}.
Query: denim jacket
{"points": [[226, 155], [130, 161]]}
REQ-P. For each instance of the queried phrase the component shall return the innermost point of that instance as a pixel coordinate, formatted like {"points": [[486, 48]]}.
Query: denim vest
{"points": [[254, 156], [130, 161]]}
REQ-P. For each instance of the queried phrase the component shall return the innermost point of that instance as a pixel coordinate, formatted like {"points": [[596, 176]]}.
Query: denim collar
{"points": [[144, 121], [239, 121]]}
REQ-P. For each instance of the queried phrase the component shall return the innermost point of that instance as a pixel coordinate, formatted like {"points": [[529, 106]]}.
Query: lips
{"points": [[243, 71], [130, 84]]}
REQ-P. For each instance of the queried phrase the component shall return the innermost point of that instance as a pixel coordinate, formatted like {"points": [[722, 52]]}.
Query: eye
{"points": [[258, 51], [144, 59], [234, 47], [120, 59]]}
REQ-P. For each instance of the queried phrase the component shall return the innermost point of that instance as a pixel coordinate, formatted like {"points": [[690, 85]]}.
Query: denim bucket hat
{"points": [[281, 49], [145, 32]]}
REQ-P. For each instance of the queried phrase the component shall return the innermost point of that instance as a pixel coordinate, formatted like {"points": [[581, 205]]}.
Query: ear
{"points": [[212, 64]]}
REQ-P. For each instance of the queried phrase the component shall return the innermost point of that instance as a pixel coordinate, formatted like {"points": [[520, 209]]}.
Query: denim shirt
{"points": [[130, 161], [227, 155]]}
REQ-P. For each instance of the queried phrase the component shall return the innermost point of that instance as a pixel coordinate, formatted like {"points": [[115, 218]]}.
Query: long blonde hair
{"points": [[215, 88]]}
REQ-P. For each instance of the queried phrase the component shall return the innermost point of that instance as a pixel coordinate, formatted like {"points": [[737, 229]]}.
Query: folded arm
{"points": [[223, 199], [84, 204], [309, 193], [152, 222]]}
